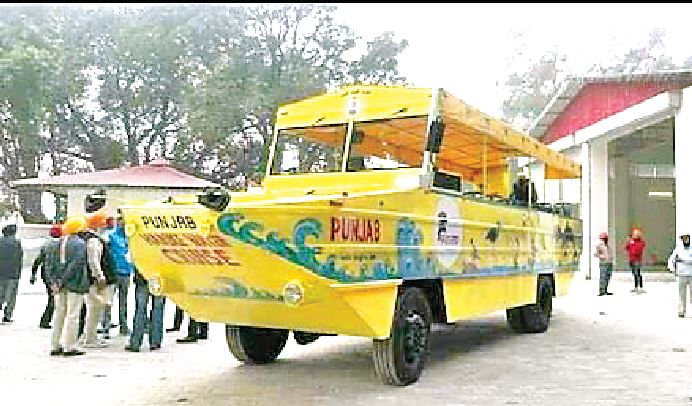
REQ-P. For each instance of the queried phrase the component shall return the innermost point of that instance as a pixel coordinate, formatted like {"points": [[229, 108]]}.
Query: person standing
{"points": [[69, 284], [47, 258], [635, 250], [155, 329], [605, 263], [123, 272], [101, 288], [11, 257], [680, 263]]}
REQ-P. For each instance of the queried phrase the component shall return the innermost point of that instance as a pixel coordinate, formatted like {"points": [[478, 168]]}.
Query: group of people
{"points": [[679, 263], [84, 263], [635, 252]]}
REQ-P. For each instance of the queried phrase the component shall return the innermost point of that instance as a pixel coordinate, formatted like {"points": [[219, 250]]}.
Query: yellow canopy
{"points": [[396, 117]]}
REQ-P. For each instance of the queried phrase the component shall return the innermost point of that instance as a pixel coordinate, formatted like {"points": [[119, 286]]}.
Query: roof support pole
{"points": [[435, 114], [347, 146], [683, 165], [272, 152]]}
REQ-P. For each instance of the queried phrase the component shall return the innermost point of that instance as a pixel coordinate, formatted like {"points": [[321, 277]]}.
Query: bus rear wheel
{"points": [[534, 318], [400, 359], [254, 345]]}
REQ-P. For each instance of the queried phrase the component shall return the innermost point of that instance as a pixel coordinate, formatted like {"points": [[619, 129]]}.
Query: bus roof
{"points": [[468, 131]]}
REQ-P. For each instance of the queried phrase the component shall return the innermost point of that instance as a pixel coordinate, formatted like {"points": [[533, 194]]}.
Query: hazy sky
{"points": [[469, 48]]}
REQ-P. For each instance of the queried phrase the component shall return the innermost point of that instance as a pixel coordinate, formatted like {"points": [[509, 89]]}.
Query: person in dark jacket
{"points": [[11, 256], [47, 258], [69, 284]]}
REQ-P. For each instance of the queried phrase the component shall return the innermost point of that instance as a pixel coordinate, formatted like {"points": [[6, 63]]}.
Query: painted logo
{"points": [[447, 231], [354, 229]]}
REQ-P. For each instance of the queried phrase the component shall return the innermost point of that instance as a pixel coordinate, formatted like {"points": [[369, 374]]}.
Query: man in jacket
{"points": [[47, 258], [11, 256], [69, 284], [101, 289], [680, 263]]}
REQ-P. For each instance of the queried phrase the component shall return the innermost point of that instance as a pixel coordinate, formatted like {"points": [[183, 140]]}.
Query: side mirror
{"points": [[437, 128], [215, 199]]}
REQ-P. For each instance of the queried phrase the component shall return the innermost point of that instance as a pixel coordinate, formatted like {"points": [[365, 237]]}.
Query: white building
{"points": [[632, 134], [155, 181]]}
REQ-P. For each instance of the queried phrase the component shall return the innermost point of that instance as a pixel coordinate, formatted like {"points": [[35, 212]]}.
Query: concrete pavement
{"points": [[623, 349]]}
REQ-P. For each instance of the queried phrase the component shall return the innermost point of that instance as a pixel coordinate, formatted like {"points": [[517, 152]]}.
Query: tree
{"points": [[141, 88], [531, 90], [87, 89], [649, 57], [379, 65], [26, 63], [289, 52]]}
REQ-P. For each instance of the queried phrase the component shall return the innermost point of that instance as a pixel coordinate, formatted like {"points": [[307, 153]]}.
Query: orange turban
{"points": [[73, 225], [97, 219]]}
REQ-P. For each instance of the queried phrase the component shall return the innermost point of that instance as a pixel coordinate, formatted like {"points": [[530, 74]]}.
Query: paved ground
{"points": [[617, 350]]}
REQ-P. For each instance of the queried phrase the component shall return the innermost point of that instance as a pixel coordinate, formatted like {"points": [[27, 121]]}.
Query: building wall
{"points": [[654, 215]]}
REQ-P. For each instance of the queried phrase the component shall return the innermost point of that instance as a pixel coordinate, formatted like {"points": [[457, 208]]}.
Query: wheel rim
{"points": [[415, 338]]}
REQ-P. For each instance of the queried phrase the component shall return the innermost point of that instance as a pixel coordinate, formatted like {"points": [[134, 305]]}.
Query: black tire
{"points": [[254, 345], [515, 319], [304, 338], [400, 359], [537, 316]]}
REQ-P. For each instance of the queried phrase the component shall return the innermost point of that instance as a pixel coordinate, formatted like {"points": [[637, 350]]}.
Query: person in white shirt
{"points": [[605, 262], [680, 263]]}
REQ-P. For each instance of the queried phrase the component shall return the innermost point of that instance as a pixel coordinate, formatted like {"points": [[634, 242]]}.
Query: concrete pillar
{"points": [[587, 253], [598, 194], [620, 220], [683, 165]]}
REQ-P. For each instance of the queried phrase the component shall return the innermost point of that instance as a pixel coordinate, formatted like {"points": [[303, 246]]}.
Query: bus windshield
{"points": [[309, 150], [387, 144], [379, 144]]}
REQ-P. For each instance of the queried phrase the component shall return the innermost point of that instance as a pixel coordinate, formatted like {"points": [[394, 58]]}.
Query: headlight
{"points": [[155, 286], [293, 293]]}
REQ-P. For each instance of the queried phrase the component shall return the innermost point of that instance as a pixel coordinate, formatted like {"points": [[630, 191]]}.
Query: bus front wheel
{"points": [[254, 345], [400, 359]]}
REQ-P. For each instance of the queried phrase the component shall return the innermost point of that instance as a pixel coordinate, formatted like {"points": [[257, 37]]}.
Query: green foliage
{"points": [[531, 89], [197, 84]]}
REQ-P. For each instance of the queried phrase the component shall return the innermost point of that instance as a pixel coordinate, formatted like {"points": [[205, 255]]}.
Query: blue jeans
{"points": [[606, 273], [155, 326]]}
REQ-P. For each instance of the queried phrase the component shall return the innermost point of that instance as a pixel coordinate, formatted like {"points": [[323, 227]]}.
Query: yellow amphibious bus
{"points": [[383, 210]]}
